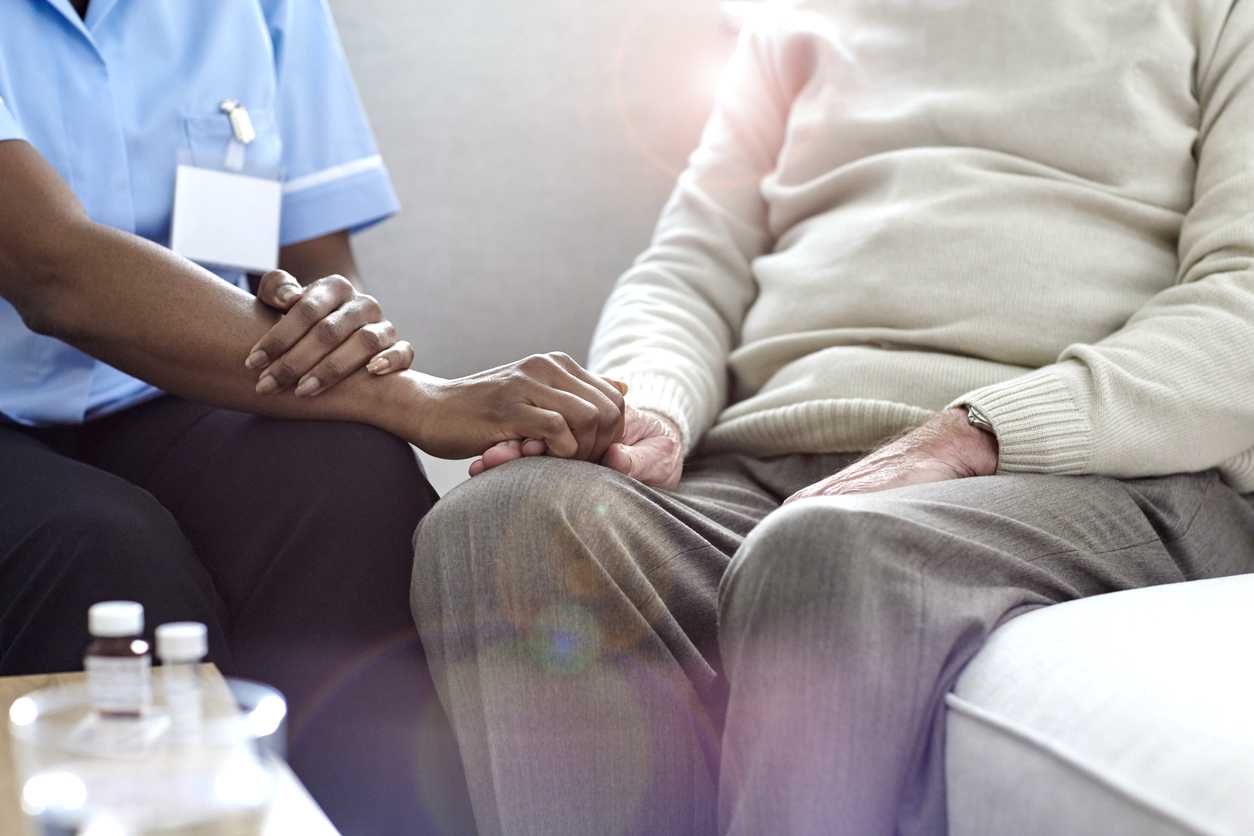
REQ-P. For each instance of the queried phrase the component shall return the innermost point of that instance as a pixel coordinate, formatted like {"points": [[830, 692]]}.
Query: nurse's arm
{"points": [[157, 316]]}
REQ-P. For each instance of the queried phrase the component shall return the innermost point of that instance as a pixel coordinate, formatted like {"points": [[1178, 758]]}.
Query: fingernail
{"points": [[257, 359], [288, 292], [377, 365], [622, 386], [267, 385], [307, 387]]}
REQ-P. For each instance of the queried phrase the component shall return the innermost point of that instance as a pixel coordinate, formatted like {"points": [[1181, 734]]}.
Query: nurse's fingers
{"points": [[397, 358], [309, 311], [361, 347], [336, 347], [322, 329], [279, 289]]}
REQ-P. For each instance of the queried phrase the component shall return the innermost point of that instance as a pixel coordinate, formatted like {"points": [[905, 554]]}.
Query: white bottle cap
{"points": [[182, 641], [113, 619]]}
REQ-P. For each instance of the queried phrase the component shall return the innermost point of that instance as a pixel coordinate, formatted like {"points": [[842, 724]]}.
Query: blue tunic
{"points": [[110, 100]]}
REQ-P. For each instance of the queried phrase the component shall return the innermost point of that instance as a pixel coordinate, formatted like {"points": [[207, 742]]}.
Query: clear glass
{"points": [[92, 775]]}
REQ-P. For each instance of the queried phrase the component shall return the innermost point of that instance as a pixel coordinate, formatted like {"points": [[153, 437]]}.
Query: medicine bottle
{"points": [[181, 645], [118, 665]]}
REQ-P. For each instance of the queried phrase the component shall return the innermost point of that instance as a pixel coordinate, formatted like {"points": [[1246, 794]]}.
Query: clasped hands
{"points": [[548, 403], [330, 331]]}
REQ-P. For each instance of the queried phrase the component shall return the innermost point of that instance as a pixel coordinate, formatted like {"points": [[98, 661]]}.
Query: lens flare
{"points": [[344, 677], [267, 716], [635, 25], [565, 638], [23, 712], [53, 791], [244, 783]]}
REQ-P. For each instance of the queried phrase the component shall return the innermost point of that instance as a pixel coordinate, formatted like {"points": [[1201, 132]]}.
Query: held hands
{"points": [[650, 450], [944, 447], [542, 404], [330, 330], [546, 402]]}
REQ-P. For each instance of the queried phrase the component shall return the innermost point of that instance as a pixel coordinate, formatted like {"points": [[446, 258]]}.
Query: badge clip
{"points": [[242, 133]]}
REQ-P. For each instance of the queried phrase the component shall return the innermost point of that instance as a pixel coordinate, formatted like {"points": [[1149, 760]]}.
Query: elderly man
{"points": [[1010, 238]]}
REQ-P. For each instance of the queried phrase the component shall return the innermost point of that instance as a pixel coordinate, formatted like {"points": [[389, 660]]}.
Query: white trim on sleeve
{"points": [[327, 175]]}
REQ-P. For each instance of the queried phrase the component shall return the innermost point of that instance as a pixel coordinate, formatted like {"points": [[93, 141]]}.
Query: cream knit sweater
{"points": [[1041, 207]]}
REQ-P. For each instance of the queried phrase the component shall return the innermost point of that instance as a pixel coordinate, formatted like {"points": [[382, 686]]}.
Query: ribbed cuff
{"points": [[657, 393], [1039, 426]]}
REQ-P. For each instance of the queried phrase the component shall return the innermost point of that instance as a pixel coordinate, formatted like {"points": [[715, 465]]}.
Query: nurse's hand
{"points": [[517, 448], [330, 330], [546, 400]]}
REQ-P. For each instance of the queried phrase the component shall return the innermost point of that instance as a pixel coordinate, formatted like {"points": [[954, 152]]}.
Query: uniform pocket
{"points": [[208, 136]]}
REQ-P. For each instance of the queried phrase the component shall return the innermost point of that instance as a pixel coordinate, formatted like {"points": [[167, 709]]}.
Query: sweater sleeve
{"points": [[671, 320], [1172, 390]]}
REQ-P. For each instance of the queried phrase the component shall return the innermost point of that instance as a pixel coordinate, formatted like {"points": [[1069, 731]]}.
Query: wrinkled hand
{"points": [[651, 451], [943, 447], [330, 330], [547, 401]]}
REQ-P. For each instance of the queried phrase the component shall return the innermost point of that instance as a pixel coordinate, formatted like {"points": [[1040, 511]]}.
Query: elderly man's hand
{"points": [[651, 451], [944, 447]]}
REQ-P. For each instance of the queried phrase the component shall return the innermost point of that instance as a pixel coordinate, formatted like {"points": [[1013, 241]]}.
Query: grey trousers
{"points": [[622, 660]]}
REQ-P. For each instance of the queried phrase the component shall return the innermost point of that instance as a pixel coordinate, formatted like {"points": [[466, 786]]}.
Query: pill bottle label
{"points": [[119, 685]]}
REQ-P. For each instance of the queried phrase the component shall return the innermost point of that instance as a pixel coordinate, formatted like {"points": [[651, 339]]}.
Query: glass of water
{"points": [[89, 775]]}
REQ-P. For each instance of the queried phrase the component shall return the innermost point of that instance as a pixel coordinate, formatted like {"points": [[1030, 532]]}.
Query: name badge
{"points": [[226, 212]]}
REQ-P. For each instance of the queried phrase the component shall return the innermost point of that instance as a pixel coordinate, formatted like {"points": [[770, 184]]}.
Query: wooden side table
{"points": [[292, 812]]}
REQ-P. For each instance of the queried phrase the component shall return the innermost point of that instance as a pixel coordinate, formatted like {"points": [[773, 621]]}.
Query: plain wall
{"points": [[533, 144]]}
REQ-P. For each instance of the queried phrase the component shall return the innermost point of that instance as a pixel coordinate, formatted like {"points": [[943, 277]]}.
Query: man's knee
{"points": [[839, 552], [526, 537], [523, 503]]}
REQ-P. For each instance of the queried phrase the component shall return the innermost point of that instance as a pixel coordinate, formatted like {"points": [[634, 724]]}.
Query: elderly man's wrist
{"points": [[977, 443], [669, 423]]}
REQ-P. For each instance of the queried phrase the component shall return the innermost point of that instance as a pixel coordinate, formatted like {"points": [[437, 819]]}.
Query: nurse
{"points": [[142, 459]]}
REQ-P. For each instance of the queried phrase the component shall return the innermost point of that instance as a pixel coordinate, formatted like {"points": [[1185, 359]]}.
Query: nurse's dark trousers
{"points": [[289, 539]]}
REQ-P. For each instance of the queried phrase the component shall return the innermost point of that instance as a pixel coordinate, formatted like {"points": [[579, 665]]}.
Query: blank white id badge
{"points": [[227, 214]]}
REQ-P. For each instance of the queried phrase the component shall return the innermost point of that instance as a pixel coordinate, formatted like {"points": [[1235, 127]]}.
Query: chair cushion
{"points": [[1130, 713]]}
